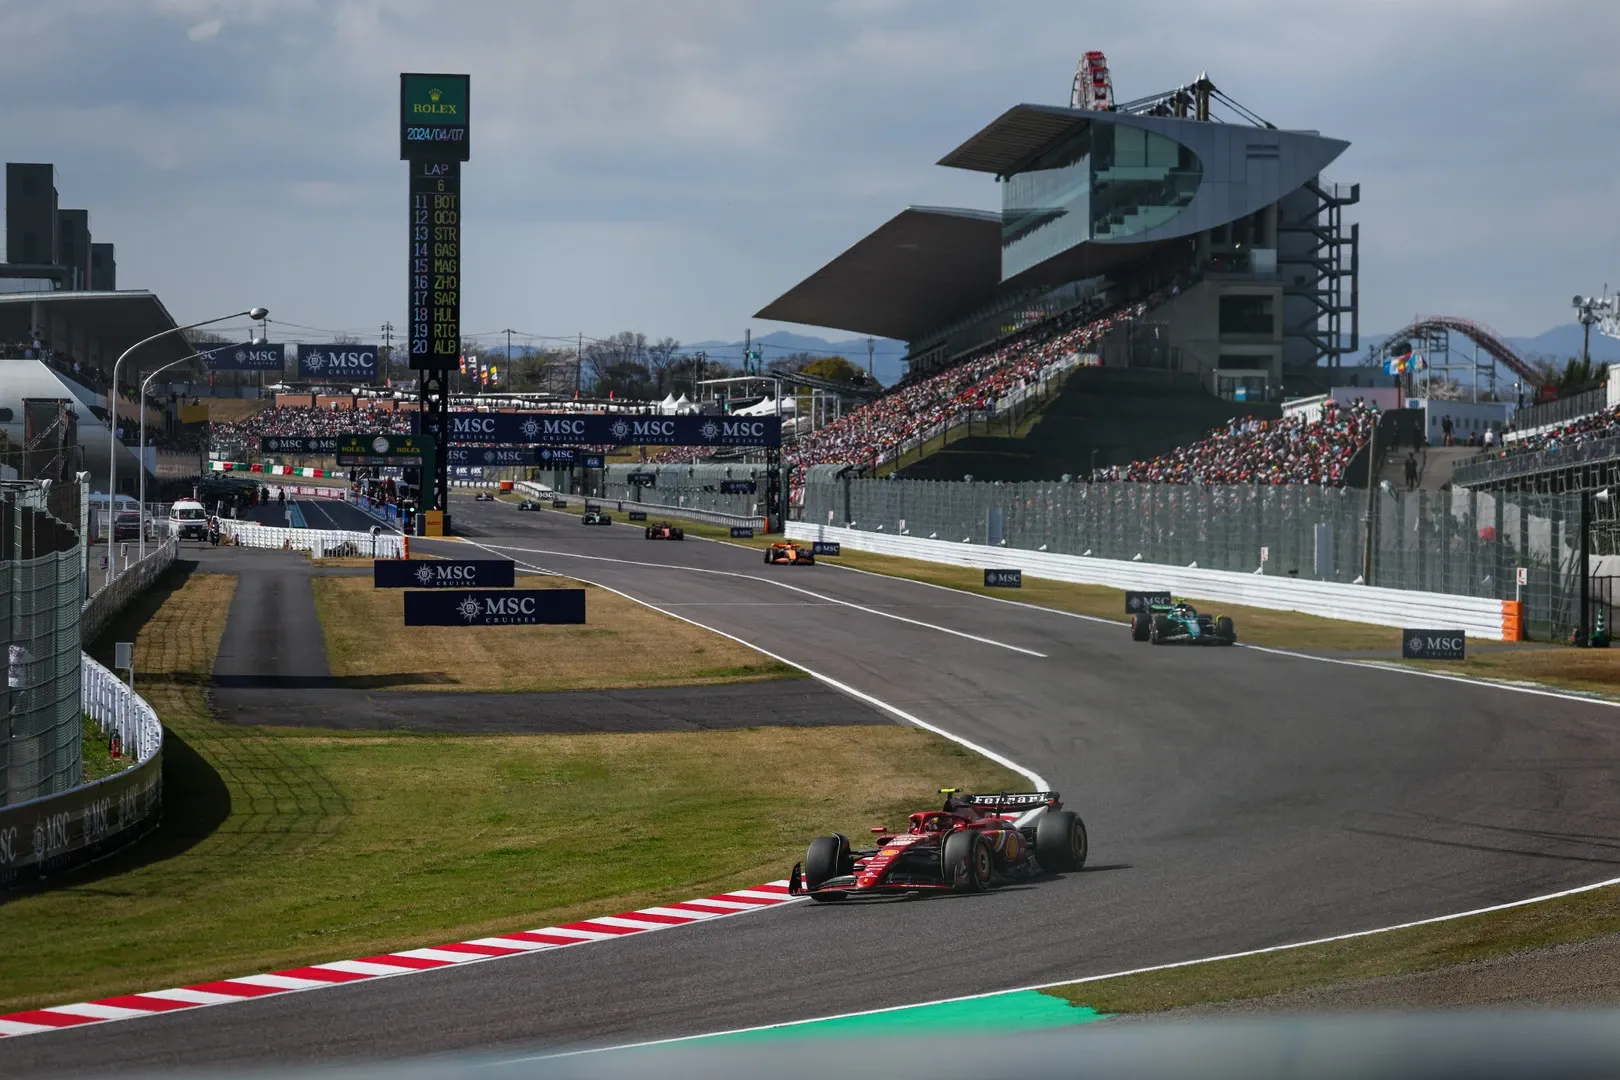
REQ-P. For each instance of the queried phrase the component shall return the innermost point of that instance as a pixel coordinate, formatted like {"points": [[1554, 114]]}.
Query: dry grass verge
{"points": [[622, 645]]}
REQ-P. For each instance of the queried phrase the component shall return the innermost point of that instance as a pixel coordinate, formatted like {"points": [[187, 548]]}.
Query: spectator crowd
{"points": [[1585, 429], [242, 436], [1290, 450]]}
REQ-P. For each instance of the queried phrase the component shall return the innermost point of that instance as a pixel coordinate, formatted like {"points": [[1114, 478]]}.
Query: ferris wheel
{"points": [[1093, 86]]}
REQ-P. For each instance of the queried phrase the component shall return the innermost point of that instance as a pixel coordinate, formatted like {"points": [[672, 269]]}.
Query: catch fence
{"points": [[1466, 543]]}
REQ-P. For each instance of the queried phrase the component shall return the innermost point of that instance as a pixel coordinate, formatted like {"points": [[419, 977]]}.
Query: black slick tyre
{"points": [[1141, 626], [1061, 844], [967, 850], [826, 859], [1225, 630], [1160, 629]]}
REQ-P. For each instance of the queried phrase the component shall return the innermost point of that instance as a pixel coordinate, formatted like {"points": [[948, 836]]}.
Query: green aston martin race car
{"points": [[1179, 623]]}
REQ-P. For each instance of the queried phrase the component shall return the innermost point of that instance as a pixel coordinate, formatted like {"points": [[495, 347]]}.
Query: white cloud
{"points": [[717, 150]]}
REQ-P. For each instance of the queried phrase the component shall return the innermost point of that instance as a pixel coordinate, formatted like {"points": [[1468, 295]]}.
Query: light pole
{"points": [[141, 445], [257, 314]]}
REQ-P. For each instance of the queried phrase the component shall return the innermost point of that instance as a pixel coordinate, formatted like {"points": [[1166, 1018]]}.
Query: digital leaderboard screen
{"points": [[433, 116], [435, 264]]}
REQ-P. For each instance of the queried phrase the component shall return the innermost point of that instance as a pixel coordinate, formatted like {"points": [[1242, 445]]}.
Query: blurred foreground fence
{"points": [[1465, 543]]}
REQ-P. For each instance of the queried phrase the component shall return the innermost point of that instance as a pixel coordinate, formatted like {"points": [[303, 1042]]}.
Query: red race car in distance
{"points": [[975, 842], [663, 530]]}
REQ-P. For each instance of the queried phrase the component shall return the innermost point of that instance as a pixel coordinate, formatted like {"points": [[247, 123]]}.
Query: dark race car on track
{"points": [[787, 553], [484, 496], [975, 842], [528, 504], [595, 517], [663, 530], [1179, 623]]}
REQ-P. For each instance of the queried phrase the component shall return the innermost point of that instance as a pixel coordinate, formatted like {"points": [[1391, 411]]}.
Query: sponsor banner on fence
{"points": [[1433, 644], [1004, 579], [603, 429], [644, 479], [244, 357], [737, 487], [742, 532], [296, 444], [638, 515], [826, 547], [62, 831], [340, 363], [442, 573], [559, 504], [495, 607], [494, 455], [1137, 602]]}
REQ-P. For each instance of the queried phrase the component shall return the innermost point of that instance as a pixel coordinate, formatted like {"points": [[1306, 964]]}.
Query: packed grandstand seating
{"points": [[242, 436], [876, 430], [1291, 450], [1599, 425]]}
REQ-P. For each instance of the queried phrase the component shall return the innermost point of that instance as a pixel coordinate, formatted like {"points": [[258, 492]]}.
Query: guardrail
{"points": [[714, 517], [1532, 419], [320, 543], [1492, 469], [98, 611], [62, 832], [1478, 617]]}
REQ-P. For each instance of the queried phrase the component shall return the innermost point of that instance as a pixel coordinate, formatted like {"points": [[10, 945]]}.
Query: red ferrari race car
{"points": [[663, 530], [975, 842], [787, 553]]}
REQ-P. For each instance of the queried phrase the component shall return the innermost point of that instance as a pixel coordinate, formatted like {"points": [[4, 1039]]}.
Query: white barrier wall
{"points": [[1479, 618], [384, 545]]}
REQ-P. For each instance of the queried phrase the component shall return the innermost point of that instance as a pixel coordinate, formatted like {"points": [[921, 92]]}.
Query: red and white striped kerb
{"points": [[409, 962]]}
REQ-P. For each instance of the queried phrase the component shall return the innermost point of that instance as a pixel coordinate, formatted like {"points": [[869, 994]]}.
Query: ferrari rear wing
{"points": [[1018, 800]]}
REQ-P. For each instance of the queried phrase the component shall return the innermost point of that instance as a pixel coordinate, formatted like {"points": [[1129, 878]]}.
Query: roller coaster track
{"points": [[1482, 336]]}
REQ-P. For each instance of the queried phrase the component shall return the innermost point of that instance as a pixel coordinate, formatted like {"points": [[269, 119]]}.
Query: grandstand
{"points": [[1200, 252]]}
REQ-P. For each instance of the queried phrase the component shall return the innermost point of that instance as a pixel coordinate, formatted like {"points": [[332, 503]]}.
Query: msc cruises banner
{"points": [[442, 573], [600, 429], [340, 363], [495, 607], [494, 455], [243, 357]]}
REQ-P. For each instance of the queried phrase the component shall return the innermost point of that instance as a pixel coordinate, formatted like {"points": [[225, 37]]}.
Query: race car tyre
{"points": [[1161, 629], [826, 859], [1225, 630], [967, 847], [1141, 627], [767, 556], [1060, 841], [649, 534]]}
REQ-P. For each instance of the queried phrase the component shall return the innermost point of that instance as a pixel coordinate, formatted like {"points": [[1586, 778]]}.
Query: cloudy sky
{"points": [[670, 166]]}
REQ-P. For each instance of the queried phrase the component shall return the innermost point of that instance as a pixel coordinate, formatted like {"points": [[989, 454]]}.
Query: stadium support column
{"points": [[1585, 569]]}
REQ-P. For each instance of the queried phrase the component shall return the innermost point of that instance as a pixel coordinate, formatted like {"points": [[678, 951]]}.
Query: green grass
{"points": [[98, 760], [1422, 948], [282, 847]]}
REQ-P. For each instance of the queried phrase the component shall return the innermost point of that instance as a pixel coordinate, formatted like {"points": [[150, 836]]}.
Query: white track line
{"points": [[1034, 778], [1084, 979], [778, 584]]}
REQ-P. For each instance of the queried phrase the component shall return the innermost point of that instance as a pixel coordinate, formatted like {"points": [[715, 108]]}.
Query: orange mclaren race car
{"points": [[787, 553]]}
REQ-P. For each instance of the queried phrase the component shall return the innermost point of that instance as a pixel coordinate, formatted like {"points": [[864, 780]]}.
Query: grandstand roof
{"points": [[922, 267], [116, 319], [1016, 136]]}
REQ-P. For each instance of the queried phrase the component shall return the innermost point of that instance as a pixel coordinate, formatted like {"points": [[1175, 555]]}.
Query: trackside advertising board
{"points": [[1136, 602], [495, 607], [826, 547], [338, 363], [611, 429], [244, 357], [1433, 644], [442, 573], [1003, 579]]}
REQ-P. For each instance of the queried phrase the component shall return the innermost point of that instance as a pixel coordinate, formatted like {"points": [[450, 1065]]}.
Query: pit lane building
{"points": [[1230, 214]]}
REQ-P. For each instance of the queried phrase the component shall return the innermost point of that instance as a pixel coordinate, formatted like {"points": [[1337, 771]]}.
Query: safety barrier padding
{"points": [[1478, 617]]}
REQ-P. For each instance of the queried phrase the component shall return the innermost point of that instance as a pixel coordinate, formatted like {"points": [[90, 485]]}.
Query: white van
{"points": [[188, 520]]}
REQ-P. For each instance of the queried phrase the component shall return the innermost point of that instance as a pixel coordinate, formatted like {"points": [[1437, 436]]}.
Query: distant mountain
{"points": [[886, 353], [1563, 342]]}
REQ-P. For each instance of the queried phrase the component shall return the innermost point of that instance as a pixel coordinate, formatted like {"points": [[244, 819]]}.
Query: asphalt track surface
{"points": [[1236, 798]]}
